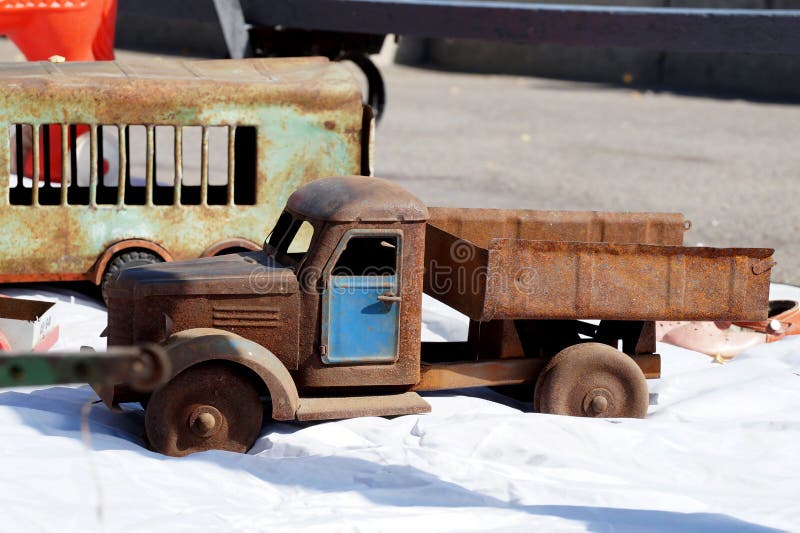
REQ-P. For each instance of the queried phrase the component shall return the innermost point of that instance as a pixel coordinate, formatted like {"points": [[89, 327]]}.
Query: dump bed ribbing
{"points": [[581, 265]]}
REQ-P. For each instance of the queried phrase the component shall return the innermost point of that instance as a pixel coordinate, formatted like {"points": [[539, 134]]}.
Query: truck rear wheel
{"points": [[213, 406], [594, 380]]}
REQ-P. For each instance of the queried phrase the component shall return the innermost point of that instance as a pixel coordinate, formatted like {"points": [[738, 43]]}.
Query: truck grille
{"points": [[227, 316]]}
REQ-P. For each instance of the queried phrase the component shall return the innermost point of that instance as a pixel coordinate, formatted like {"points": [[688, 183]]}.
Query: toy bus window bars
{"points": [[223, 175]]}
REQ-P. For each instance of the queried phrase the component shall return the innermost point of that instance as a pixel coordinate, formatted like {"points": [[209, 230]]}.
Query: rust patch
{"points": [[518, 278], [336, 407]]}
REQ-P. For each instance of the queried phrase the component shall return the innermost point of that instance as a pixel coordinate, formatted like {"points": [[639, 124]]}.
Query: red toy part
{"points": [[78, 30], [55, 153], [47, 342]]}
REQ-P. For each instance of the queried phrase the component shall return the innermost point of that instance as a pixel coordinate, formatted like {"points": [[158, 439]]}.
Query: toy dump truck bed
{"points": [[479, 226], [491, 264]]}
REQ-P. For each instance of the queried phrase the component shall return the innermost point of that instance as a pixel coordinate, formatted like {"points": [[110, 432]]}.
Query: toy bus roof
{"points": [[163, 87], [259, 70], [356, 198]]}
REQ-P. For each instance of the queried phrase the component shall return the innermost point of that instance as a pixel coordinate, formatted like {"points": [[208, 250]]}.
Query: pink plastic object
{"points": [[717, 339], [725, 340]]}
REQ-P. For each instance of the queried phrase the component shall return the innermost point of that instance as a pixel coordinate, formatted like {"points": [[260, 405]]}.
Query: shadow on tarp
{"points": [[56, 411]]}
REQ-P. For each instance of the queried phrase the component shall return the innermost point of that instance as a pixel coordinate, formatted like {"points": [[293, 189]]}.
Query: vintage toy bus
{"points": [[106, 165]]}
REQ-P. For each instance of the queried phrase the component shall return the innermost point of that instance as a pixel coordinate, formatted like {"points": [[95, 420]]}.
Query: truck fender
{"points": [[192, 346]]}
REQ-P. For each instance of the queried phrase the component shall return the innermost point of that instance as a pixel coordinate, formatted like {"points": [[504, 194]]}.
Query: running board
{"points": [[407, 403]]}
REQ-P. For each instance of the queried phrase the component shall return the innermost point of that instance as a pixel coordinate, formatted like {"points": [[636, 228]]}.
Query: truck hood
{"points": [[242, 273]]}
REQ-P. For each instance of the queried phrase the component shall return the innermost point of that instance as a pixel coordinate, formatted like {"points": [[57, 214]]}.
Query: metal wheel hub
{"points": [[597, 402], [205, 421], [592, 379]]}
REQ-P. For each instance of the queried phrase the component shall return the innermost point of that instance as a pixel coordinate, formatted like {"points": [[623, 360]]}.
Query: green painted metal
{"points": [[142, 367], [309, 121], [25, 370]]}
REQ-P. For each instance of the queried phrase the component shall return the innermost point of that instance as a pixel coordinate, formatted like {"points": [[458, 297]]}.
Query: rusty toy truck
{"points": [[335, 331]]}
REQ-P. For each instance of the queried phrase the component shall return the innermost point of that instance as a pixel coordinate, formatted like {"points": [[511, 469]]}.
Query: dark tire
{"points": [[234, 250], [593, 380], [376, 89], [213, 406], [133, 258]]}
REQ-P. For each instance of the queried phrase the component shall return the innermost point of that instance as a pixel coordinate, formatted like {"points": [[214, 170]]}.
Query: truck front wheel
{"points": [[592, 379], [212, 406]]}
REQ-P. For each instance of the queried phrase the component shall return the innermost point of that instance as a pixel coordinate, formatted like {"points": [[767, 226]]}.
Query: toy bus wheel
{"points": [[213, 406], [125, 260], [593, 380]]}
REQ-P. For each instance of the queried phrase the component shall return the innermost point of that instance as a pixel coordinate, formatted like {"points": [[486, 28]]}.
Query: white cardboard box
{"points": [[27, 325]]}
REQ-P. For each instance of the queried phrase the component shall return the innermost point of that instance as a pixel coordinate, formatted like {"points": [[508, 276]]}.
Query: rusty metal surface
{"points": [[192, 346], [593, 380], [183, 295], [142, 367], [479, 226], [353, 198], [308, 117], [225, 274], [455, 272], [649, 364], [457, 241], [142, 302], [271, 318], [539, 279], [528, 293], [526, 279], [196, 346], [443, 376], [496, 338], [518, 371], [213, 406], [337, 407], [312, 372]]}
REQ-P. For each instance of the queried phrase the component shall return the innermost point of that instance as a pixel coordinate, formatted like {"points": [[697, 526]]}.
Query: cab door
{"points": [[361, 301]]}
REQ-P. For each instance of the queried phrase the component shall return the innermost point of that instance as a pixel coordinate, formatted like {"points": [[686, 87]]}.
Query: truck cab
{"points": [[359, 281], [331, 303]]}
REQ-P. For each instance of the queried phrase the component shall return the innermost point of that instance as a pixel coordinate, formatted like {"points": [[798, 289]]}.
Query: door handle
{"points": [[389, 297]]}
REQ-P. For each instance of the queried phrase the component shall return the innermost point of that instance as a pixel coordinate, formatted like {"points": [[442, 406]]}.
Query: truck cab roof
{"points": [[356, 198]]}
